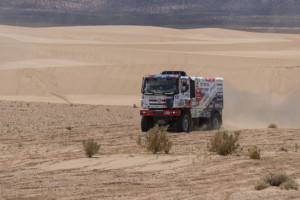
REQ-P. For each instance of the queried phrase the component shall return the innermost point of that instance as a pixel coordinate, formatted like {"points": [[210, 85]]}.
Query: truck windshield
{"points": [[160, 85]]}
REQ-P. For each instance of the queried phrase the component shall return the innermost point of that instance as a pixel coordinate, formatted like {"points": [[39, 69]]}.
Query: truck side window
{"points": [[184, 86], [192, 84]]}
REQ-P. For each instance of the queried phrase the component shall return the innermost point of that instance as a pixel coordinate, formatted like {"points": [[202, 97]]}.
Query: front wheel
{"points": [[184, 123], [146, 123]]}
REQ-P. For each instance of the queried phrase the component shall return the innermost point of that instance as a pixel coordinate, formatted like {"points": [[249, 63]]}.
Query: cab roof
{"points": [[163, 76]]}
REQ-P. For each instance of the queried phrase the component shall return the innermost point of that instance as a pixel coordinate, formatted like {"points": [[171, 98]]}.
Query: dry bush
{"points": [[254, 152], [276, 179], [296, 147], [283, 149], [139, 140], [91, 147], [272, 126], [260, 185], [157, 139], [223, 144], [290, 184]]}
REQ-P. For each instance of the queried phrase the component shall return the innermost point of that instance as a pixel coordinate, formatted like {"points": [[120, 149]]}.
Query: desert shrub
{"points": [[296, 147], [272, 126], [290, 184], [91, 147], [134, 106], [139, 140], [276, 179], [260, 185], [69, 128], [283, 149], [223, 144], [107, 109], [157, 139], [254, 152]]}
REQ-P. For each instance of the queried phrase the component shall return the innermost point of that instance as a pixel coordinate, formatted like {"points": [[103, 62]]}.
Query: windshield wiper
{"points": [[168, 93]]}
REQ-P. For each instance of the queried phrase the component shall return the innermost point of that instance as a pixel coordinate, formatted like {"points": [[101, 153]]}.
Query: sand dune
{"points": [[104, 65]]}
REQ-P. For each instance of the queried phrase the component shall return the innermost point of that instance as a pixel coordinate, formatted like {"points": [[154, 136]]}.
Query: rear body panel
{"points": [[208, 97]]}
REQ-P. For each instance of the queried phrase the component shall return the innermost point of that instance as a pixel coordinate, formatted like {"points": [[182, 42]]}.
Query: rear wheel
{"points": [[184, 123], [146, 123], [215, 121]]}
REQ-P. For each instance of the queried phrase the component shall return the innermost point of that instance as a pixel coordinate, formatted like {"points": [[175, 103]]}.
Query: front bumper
{"points": [[160, 113]]}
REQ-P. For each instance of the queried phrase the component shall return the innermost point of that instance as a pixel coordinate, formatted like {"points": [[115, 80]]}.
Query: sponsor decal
{"points": [[220, 94], [204, 91], [187, 102], [204, 84], [209, 79], [219, 84], [181, 102], [218, 105]]}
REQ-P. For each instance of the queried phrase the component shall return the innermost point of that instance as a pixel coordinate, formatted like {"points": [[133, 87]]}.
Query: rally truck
{"points": [[179, 101]]}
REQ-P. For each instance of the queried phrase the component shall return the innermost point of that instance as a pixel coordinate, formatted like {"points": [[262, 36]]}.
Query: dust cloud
{"points": [[244, 109]]}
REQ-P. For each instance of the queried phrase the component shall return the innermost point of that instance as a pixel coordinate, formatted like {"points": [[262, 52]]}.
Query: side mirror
{"points": [[183, 89]]}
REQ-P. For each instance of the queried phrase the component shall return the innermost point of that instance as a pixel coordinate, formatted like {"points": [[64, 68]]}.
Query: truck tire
{"points": [[215, 121], [146, 123], [184, 123]]}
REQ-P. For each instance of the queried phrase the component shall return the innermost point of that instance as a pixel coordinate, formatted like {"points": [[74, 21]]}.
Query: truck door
{"points": [[185, 92]]}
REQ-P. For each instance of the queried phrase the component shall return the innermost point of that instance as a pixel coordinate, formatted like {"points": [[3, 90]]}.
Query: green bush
{"points": [[272, 126], [134, 106], [276, 179], [254, 152], [91, 147], [223, 144], [157, 139]]}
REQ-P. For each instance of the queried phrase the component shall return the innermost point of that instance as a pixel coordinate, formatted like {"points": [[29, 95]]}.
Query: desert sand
{"points": [[88, 78], [104, 65], [40, 158]]}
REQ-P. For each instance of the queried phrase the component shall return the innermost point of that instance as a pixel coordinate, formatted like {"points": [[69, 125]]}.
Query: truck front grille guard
{"points": [[160, 113]]}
